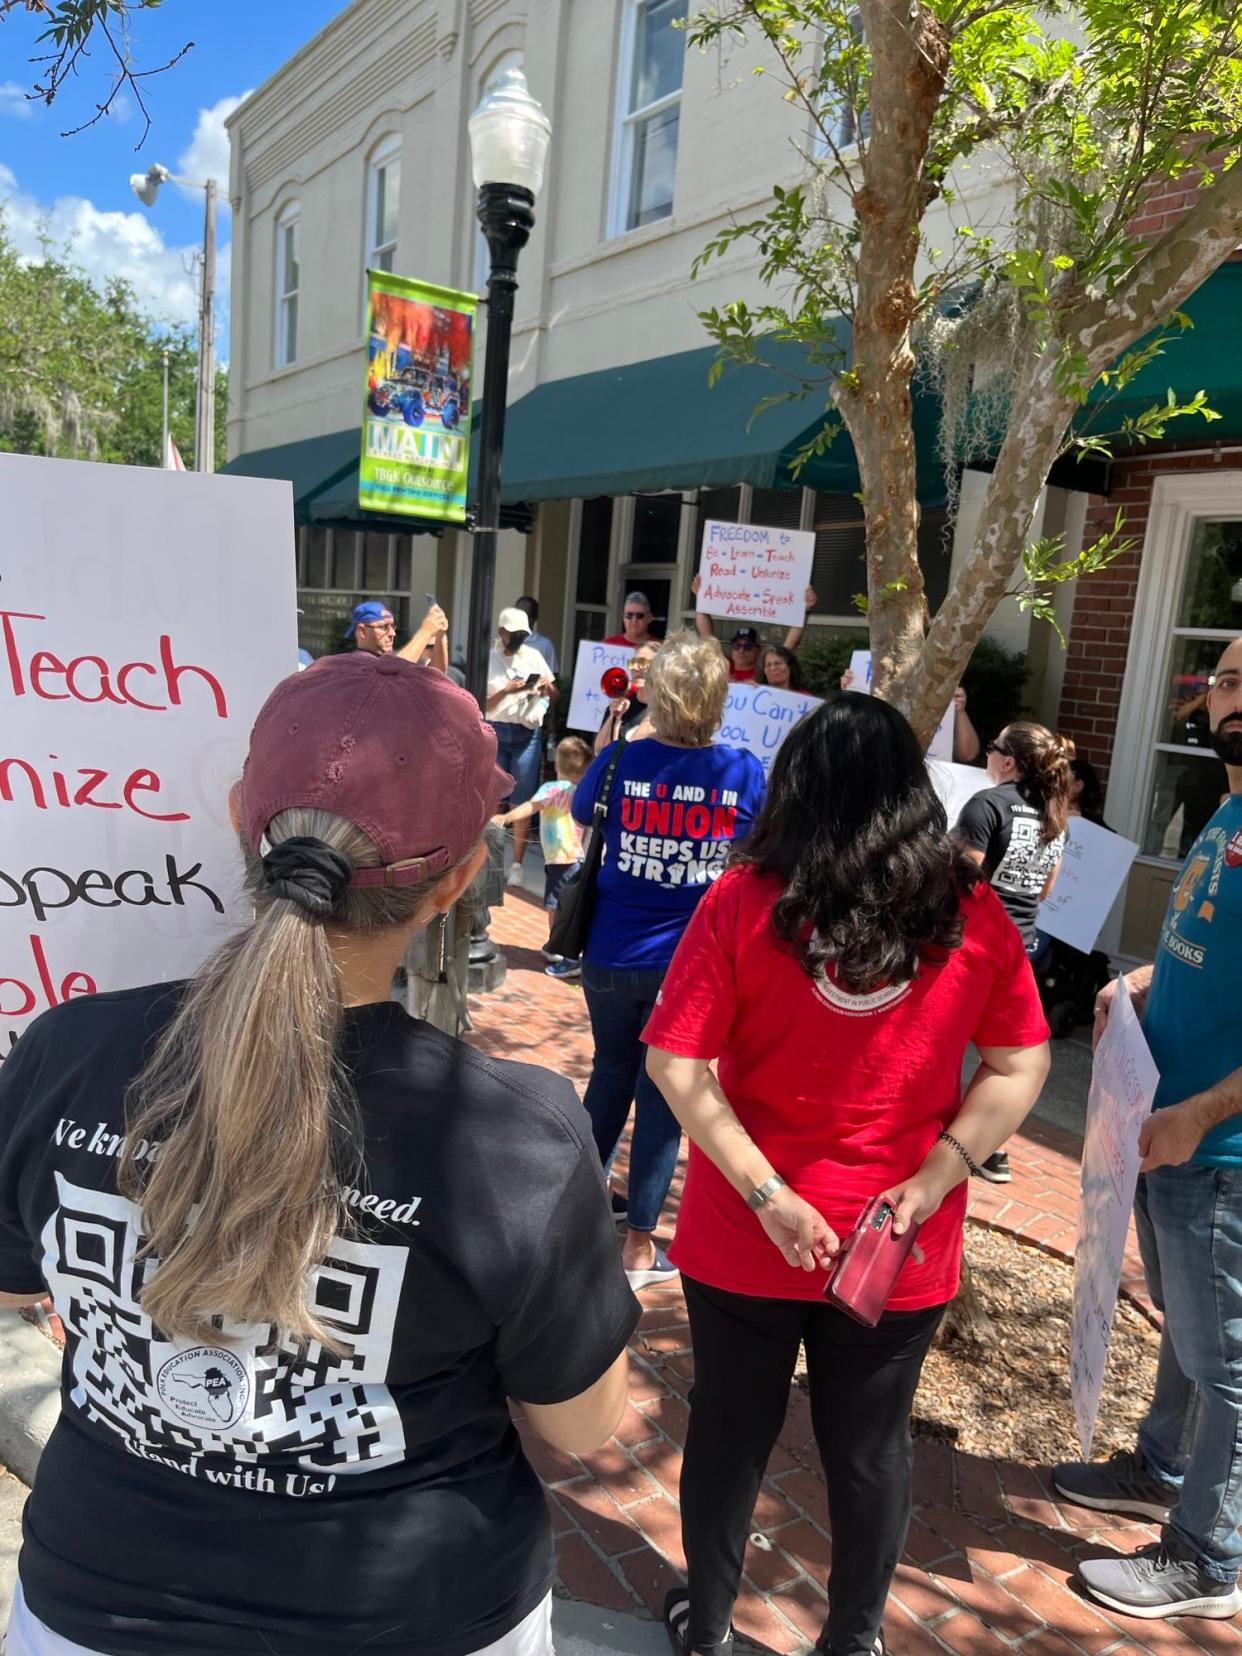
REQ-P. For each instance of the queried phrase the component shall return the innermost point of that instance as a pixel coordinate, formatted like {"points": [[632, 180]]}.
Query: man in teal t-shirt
{"points": [[1187, 1469]]}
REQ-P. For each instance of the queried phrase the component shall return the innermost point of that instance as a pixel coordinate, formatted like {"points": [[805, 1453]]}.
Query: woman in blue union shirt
{"points": [[678, 803]]}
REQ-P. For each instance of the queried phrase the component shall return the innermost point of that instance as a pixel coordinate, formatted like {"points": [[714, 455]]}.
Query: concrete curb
{"points": [[585, 1630], [29, 1394]]}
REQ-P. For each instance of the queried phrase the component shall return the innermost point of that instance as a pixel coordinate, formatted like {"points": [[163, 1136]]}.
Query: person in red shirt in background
{"points": [[743, 648], [636, 617], [837, 971]]}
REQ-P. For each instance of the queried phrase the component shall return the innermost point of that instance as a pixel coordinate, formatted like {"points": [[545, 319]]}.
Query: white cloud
{"points": [[208, 153], [110, 243], [14, 102]]}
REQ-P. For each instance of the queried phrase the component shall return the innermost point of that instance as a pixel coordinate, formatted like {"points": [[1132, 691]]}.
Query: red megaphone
{"points": [[615, 682]]}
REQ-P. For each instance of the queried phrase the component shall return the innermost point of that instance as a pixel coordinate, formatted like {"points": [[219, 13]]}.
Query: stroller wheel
{"points": [[1061, 1020]]}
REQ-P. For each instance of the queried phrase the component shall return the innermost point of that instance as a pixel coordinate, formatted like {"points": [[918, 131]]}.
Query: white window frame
{"points": [[846, 145], [1178, 503], [288, 219], [628, 120], [381, 157]]}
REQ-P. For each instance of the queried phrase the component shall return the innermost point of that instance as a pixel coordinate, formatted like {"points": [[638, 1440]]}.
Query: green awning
{"points": [[1207, 357], [660, 424]]}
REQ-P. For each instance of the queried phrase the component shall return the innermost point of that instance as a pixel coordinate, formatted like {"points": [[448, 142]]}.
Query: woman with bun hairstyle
{"points": [[305, 1247], [1015, 830]]}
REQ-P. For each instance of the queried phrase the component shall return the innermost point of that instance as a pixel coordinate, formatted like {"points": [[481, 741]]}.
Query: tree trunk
{"points": [[965, 1320], [910, 58]]}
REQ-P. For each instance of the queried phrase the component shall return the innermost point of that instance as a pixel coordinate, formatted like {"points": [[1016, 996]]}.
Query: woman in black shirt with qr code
{"points": [[305, 1248], [1016, 831]]}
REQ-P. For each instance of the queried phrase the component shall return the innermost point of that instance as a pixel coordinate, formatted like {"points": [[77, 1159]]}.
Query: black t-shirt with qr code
{"points": [[1017, 860], [251, 1496]]}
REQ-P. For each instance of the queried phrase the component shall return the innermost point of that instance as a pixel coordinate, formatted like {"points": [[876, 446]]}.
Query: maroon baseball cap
{"points": [[392, 746]]}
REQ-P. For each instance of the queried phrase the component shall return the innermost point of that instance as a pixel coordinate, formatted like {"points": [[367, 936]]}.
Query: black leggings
{"points": [[862, 1383]]}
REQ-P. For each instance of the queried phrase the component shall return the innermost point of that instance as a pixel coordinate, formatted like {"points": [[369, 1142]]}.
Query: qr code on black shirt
{"points": [[250, 1396]]}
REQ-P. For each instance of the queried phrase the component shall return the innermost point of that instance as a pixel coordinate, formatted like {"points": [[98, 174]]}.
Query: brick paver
{"points": [[990, 1557]]}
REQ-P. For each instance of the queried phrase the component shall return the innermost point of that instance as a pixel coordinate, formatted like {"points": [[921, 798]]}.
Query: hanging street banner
{"points": [[416, 419]]}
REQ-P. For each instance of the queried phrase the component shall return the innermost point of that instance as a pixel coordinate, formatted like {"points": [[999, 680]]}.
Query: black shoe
{"points": [[677, 1626], [1120, 1484], [879, 1648], [996, 1169]]}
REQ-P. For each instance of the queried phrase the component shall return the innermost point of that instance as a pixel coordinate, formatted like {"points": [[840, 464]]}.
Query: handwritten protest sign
{"points": [[1123, 1083], [748, 572], [144, 617], [588, 703], [1093, 870], [941, 744], [956, 784], [759, 718]]}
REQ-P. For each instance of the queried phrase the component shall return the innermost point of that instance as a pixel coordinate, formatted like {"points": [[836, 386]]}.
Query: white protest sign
{"points": [[956, 784], [941, 744], [1094, 866], [145, 615], [748, 572], [759, 718], [588, 703], [1123, 1084]]}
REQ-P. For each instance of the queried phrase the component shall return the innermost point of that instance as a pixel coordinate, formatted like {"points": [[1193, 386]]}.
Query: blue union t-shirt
{"points": [[1191, 1021], [672, 817]]}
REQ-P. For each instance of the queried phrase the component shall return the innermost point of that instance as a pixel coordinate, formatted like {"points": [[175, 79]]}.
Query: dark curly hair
{"points": [[858, 837]]}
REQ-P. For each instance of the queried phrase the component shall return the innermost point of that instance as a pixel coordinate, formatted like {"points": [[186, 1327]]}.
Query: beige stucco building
{"points": [[355, 153]]}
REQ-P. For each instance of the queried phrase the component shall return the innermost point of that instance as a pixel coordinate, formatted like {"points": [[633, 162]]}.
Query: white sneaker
{"points": [[653, 1275], [515, 876]]}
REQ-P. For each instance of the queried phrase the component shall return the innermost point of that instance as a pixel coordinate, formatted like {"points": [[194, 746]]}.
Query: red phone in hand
{"points": [[863, 1275]]}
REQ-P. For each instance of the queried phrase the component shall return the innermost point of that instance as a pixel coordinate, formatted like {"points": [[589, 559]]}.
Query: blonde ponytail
{"points": [[255, 1123]]}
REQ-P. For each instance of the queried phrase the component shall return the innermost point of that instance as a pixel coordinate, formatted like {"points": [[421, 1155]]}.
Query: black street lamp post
{"points": [[509, 135]]}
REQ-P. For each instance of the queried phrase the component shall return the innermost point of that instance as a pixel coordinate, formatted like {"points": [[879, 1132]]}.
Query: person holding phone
{"points": [[518, 683], [835, 974], [322, 1247]]}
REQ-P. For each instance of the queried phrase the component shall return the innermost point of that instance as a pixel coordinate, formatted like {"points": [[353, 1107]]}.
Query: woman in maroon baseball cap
{"points": [[305, 1248]]}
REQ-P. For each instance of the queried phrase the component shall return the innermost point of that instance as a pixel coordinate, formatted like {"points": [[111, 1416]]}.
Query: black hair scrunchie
{"points": [[308, 872]]}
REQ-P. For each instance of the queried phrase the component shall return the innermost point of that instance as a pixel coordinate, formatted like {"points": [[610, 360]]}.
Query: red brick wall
{"points": [[1099, 638]]}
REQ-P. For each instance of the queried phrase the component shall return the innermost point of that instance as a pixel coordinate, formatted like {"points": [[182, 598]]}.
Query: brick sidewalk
{"points": [[990, 1553]]}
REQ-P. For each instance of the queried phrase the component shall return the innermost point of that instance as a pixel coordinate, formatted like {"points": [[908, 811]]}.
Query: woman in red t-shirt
{"points": [[837, 972]]}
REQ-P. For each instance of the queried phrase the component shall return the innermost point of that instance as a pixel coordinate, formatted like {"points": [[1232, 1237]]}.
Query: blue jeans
{"points": [[520, 752], [620, 1002], [1189, 1222]]}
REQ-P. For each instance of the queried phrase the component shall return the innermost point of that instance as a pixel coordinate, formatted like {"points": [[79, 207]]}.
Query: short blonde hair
{"points": [[573, 758], [687, 685]]}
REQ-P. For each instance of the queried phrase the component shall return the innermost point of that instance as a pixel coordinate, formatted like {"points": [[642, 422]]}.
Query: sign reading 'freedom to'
{"points": [[749, 572]]}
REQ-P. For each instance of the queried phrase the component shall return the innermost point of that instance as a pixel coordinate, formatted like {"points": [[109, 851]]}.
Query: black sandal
{"points": [[677, 1626]]}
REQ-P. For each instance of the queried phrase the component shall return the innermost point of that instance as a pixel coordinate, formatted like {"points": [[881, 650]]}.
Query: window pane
{"points": [[316, 557], [1212, 595], [593, 545], [659, 51], [840, 567], [935, 557], [289, 331], [1188, 788], [291, 259], [344, 559], [655, 163], [1184, 719], [404, 554], [389, 187], [657, 524], [375, 562], [776, 508]]}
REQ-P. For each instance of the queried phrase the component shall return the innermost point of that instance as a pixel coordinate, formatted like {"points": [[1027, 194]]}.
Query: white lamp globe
{"points": [[509, 135]]}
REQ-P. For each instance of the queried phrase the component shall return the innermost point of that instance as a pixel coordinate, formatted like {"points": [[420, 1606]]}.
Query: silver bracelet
{"points": [[962, 1151], [764, 1194]]}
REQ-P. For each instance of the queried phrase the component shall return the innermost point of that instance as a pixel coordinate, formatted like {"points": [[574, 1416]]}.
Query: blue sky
{"points": [[81, 184]]}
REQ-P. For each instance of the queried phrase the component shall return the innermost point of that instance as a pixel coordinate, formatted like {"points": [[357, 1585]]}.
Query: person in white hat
{"points": [[518, 682]]}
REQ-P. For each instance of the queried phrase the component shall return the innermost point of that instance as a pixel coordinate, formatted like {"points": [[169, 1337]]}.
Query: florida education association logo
{"points": [[204, 1386], [1233, 851]]}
